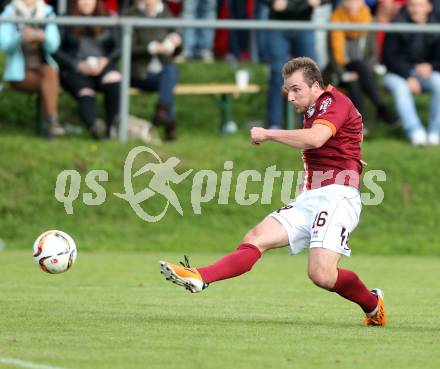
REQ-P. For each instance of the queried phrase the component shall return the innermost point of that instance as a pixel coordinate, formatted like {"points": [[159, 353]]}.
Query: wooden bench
{"points": [[222, 91]]}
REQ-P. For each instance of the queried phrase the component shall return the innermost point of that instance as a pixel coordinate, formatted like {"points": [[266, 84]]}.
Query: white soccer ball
{"points": [[54, 251]]}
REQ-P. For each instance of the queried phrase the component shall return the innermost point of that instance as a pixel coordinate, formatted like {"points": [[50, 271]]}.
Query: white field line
{"points": [[25, 364]]}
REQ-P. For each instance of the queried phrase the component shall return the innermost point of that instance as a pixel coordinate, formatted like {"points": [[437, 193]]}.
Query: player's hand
{"points": [[175, 38], [39, 35], [258, 135], [414, 85], [102, 63], [349, 76], [279, 5], [163, 49], [30, 34], [423, 70], [314, 3], [84, 68]]}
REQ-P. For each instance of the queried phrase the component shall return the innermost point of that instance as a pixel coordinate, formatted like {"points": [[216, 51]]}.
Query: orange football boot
{"points": [[380, 318], [183, 275]]}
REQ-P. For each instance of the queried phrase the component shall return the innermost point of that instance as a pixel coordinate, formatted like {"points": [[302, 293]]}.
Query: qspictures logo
{"points": [[163, 177]]}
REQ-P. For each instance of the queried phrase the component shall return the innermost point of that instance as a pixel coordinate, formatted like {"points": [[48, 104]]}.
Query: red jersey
{"points": [[339, 159]]}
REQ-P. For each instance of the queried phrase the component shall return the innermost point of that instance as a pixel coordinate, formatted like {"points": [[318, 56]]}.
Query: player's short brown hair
{"points": [[310, 69]]}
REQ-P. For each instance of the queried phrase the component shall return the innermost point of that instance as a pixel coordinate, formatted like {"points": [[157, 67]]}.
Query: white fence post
{"points": [[127, 30], [62, 7]]}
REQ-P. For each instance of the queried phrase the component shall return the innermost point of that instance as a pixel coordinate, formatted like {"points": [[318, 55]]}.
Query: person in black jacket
{"points": [[284, 44], [152, 61], [413, 64], [87, 58], [3, 4]]}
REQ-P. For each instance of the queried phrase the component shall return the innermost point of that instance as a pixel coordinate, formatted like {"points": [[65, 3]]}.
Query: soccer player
{"points": [[324, 214]]}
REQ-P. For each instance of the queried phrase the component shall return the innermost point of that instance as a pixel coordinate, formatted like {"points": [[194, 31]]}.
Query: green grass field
{"points": [[115, 311]]}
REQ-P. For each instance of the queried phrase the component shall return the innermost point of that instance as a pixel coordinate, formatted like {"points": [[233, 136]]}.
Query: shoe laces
{"points": [[377, 319], [380, 314], [185, 263]]}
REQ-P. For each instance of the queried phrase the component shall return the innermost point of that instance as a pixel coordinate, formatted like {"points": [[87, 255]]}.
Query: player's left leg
{"points": [[338, 209], [324, 272], [266, 235], [322, 267]]}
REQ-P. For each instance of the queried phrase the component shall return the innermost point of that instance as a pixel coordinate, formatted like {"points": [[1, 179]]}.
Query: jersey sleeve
{"points": [[331, 113]]}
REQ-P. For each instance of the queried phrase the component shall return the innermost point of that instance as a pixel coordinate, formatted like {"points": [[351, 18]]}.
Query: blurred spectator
{"points": [[112, 6], [87, 60], [239, 39], [197, 43], [263, 36], [221, 35], [413, 63], [53, 4], [29, 64], [436, 4], [386, 10], [321, 15], [285, 44], [175, 7], [349, 54], [152, 63], [123, 5]]}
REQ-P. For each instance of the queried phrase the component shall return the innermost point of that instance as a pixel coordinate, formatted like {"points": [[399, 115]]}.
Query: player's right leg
{"points": [[324, 272], [266, 235], [378, 315], [337, 217]]}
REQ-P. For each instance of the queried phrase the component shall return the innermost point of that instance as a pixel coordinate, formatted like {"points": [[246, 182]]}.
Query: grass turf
{"points": [[114, 311]]}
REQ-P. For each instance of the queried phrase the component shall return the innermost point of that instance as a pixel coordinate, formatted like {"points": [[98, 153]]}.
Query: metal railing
{"points": [[128, 23]]}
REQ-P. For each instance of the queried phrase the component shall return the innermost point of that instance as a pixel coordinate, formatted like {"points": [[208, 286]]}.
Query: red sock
{"points": [[349, 286], [238, 262]]}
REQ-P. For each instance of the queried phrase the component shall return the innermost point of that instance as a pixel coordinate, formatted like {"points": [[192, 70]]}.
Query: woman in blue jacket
{"points": [[29, 64]]}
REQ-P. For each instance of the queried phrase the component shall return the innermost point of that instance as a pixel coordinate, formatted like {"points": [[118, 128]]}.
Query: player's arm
{"points": [[307, 138]]}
